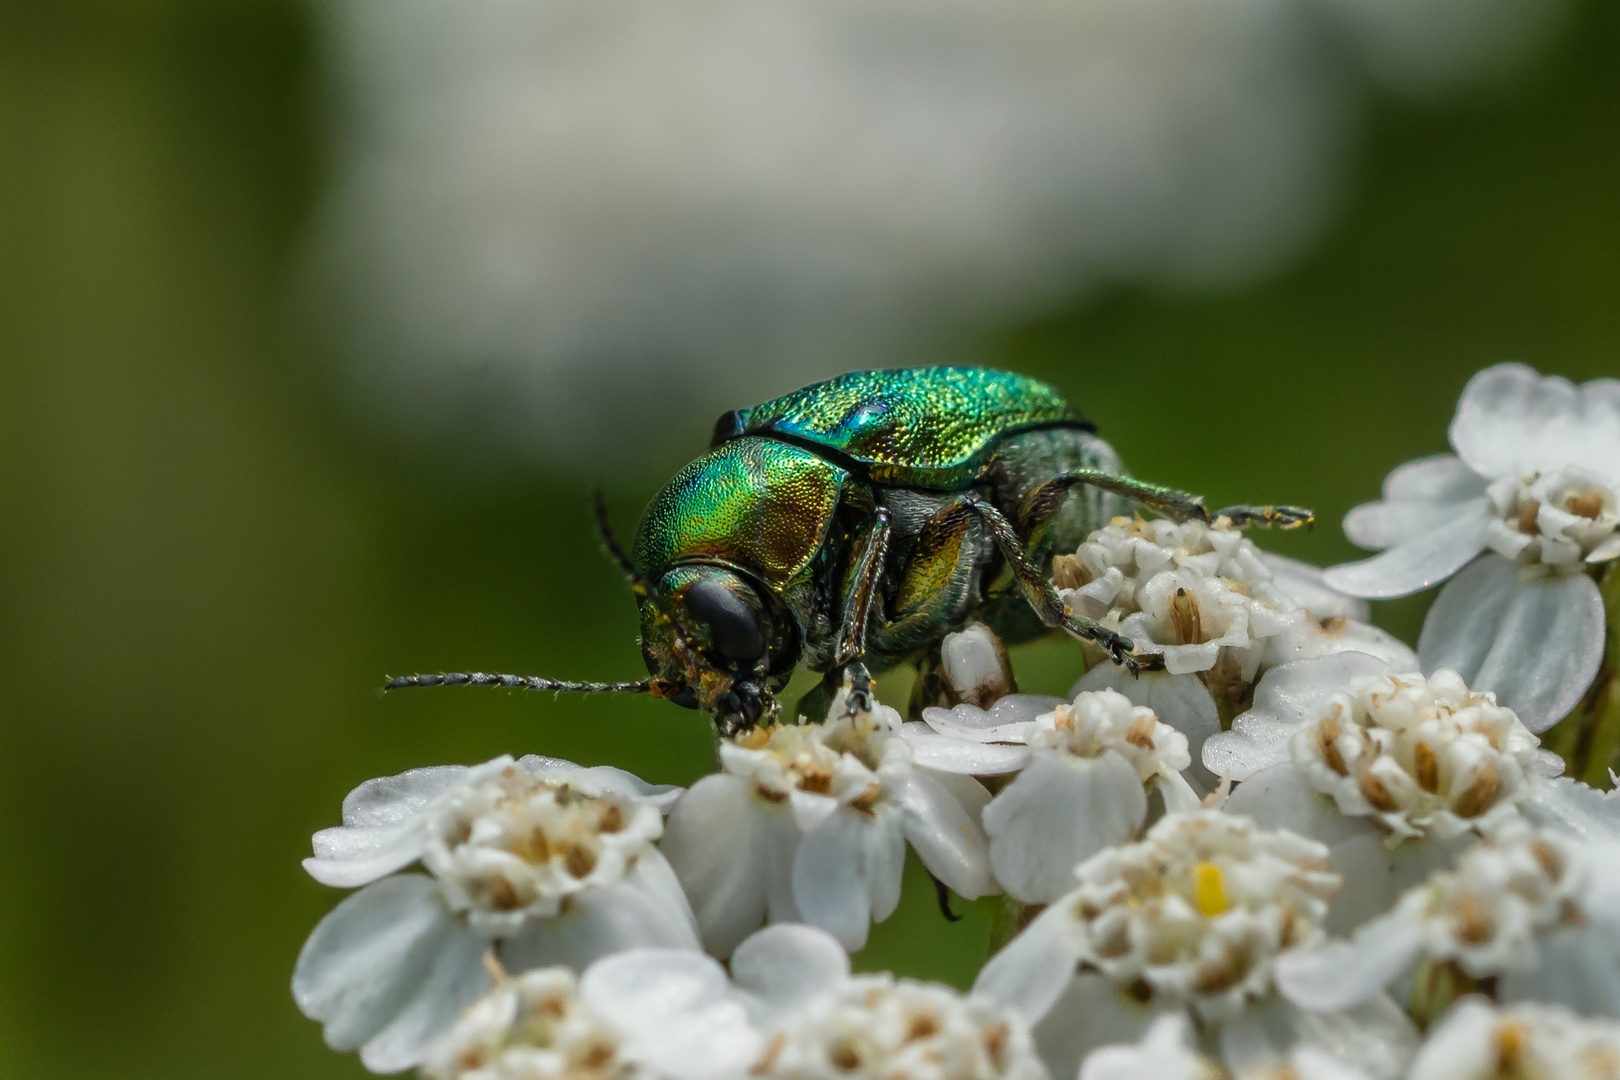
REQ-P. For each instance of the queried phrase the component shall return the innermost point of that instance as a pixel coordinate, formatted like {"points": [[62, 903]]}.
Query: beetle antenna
{"points": [[638, 584], [518, 682]]}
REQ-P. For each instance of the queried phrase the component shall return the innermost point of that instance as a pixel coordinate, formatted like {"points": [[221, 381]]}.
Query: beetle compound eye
{"points": [[734, 629]]}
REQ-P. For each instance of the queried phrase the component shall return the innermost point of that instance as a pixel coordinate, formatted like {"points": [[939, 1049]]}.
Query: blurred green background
{"points": [[204, 572]]}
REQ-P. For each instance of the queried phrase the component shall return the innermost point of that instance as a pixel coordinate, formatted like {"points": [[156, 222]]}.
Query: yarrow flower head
{"points": [[1534, 482], [1084, 770], [810, 822], [821, 1023], [540, 860], [1396, 772], [1181, 590], [1423, 756], [1478, 1041], [1529, 909], [1190, 919], [1216, 608], [645, 1014]]}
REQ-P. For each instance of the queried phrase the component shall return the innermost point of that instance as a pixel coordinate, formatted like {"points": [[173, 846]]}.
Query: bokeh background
{"points": [[241, 480]]}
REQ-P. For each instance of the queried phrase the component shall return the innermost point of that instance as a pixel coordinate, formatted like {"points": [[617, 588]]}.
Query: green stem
{"points": [[1011, 916], [1588, 739]]}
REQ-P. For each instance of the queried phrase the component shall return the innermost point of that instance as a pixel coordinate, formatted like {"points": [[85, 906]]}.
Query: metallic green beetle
{"points": [[851, 525]]}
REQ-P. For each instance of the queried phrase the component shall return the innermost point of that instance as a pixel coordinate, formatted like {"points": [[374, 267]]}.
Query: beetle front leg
{"points": [[1043, 597], [860, 591], [1168, 502]]}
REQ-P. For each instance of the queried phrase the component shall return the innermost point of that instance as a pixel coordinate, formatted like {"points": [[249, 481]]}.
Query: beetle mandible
{"points": [[851, 525]]}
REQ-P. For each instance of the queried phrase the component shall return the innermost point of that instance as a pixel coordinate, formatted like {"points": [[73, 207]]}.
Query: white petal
{"points": [[1303, 583], [1510, 419], [946, 836], [1417, 496], [364, 959], [1164, 1053], [347, 857], [1374, 1038], [1536, 642], [1579, 969], [972, 663], [609, 779], [968, 758], [453, 980], [1344, 974], [716, 842], [1462, 1045], [1572, 807], [783, 966], [1034, 969], [1305, 639], [393, 800], [1287, 696], [645, 909], [887, 861], [1420, 561], [674, 1011], [1056, 814], [832, 876], [1091, 1014], [1182, 701], [1309, 1063], [1279, 797]]}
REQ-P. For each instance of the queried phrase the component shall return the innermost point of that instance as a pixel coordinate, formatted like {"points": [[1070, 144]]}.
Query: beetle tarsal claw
{"points": [[1281, 517]]}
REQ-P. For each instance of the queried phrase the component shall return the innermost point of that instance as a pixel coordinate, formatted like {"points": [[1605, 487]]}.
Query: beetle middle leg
{"points": [[1043, 596], [927, 597], [1169, 502]]}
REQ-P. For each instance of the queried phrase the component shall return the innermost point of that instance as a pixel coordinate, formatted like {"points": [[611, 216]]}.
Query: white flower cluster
{"points": [[1533, 482], [1426, 757], [1264, 862], [812, 821]]}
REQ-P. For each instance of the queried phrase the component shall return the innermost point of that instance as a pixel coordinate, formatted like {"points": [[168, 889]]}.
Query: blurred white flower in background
{"points": [[538, 208]]}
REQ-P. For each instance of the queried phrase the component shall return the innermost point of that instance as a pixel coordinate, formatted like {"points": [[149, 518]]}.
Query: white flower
{"points": [[1215, 607], [1534, 481], [1395, 772], [810, 822], [975, 664], [822, 1023], [539, 859], [1190, 919], [1182, 590], [1083, 771], [1166, 1053], [1530, 909], [645, 1014], [1477, 1041]]}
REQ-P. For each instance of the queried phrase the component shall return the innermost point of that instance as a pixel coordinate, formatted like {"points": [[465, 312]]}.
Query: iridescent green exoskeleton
{"points": [[853, 524]]}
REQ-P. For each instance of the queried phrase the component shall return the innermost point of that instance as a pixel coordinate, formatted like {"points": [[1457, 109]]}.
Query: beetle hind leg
{"points": [[1173, 503]]}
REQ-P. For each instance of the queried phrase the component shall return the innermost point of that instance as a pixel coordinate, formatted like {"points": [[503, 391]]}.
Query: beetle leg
{"points": [[1284, 517], [860, 588], [1169, 502], [1041, 594]]}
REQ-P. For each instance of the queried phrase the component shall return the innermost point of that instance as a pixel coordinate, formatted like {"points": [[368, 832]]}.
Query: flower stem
{"points": [[1588, 739], [1011, 917]]}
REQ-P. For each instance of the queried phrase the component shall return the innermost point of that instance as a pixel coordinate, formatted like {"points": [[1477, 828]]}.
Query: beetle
{"points": [[851, 525]]}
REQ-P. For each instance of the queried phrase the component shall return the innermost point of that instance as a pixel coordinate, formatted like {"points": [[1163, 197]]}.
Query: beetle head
{"points": [[710, 635]]}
